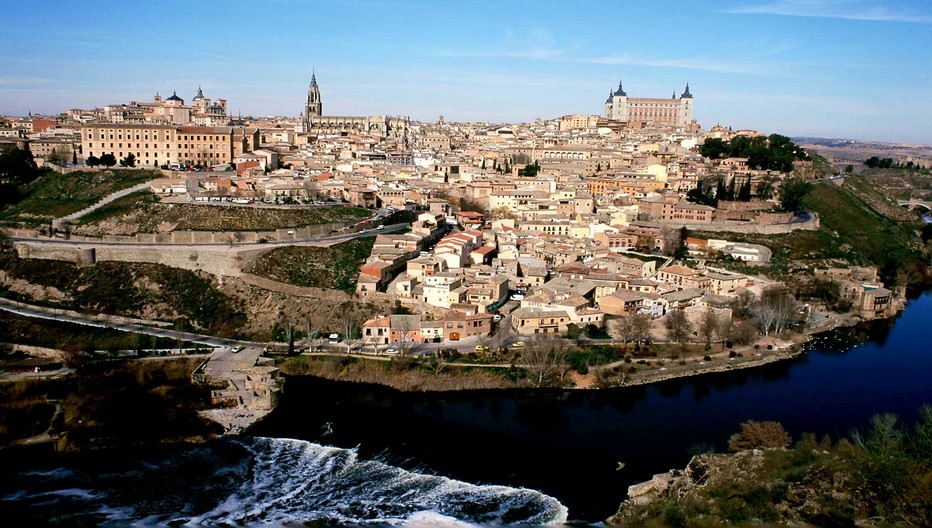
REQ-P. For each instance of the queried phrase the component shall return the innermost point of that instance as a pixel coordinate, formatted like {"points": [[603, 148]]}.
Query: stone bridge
{"points": [[913, 203]]}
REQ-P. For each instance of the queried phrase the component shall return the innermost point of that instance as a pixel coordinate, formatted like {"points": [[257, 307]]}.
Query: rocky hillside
{"points": [[148, 291], [880, 477]]}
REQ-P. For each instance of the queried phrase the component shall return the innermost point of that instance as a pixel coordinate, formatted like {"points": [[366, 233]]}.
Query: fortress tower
{"points": [[676, 111]]}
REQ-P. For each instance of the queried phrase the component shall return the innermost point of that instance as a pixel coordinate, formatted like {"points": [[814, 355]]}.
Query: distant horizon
{"points": [[817, 68]]}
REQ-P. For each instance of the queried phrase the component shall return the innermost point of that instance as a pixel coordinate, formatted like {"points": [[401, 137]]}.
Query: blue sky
{"points": [[833, 68]]}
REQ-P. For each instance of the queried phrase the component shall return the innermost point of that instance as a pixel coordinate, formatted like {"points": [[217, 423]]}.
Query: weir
{"points": [[248, 386]]}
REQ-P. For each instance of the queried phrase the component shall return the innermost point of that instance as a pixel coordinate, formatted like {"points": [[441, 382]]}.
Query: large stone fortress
{"points": [[316, 123], [676, 111]]}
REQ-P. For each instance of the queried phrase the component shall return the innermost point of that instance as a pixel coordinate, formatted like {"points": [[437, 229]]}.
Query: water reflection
{"points": [[503, 436]]}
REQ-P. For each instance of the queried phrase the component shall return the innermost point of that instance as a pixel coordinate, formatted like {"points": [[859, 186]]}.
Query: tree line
{"points": [[774, 152], [887, 163]]}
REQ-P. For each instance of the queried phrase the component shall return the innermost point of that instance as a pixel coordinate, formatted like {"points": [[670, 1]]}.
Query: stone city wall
{"points": [[755, 228], [296, 291], [191, 237], [217, 261]]}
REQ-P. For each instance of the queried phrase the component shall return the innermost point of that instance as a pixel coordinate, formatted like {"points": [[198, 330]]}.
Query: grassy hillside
{"points": [[875, 228], [334, 267], [55, 195], [147, 217], [859, 225], [134, 289], [120, 207]]}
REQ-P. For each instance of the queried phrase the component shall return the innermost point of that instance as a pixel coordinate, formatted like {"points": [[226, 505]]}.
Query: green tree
{"points": [[714, 148], [744, 195], [18, 167], [682, 250], [702, 194], [108, 160], [792, 193], [92, 161], [849, 169], [58, 156], [128, 161]]}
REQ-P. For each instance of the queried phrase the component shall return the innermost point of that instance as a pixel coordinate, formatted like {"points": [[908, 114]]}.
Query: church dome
{"points": [[175, 97], [199, 96]]}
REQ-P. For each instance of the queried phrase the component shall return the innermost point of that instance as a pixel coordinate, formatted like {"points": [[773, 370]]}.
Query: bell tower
{"points": [[313, 107]]}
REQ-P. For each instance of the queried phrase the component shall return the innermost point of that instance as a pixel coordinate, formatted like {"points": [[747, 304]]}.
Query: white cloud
{"points": [[840, 9]]}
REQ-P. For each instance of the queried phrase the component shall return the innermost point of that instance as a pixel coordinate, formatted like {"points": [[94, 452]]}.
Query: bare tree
{"points": [[774, 310], [350, 325], [759, 435], [640, 328], [678, 326], [743, 302], [545, 358], [631, 329], [724, 327], [622, 329], [406, 325], [708, 326], [436, 363], [745, 332]]}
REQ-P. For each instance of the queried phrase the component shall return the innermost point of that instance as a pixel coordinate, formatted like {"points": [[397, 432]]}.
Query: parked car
{"points": [[517, 344], [482, 348], [497, 317], [390, 351]]}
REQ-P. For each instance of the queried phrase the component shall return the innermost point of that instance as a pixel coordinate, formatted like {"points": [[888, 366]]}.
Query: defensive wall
{"points": [[220, 260], [190, 237], [754, 228]]}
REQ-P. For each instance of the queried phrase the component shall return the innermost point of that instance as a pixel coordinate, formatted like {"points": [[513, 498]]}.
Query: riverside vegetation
{"points": [[109, 404], [881, 476]]}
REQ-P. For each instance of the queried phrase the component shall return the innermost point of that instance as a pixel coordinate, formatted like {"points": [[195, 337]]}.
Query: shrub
{"points": [[706, 358], [758, 435]]}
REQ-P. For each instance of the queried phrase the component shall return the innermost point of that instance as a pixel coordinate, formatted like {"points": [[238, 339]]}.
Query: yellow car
{"points": [[518, 344], [482, 348]]}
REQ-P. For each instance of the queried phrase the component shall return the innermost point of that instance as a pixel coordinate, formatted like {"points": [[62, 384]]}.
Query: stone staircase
{"points": [[59, 222]]}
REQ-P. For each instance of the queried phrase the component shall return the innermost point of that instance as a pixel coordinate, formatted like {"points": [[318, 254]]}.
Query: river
{"points": [[358, 453]]}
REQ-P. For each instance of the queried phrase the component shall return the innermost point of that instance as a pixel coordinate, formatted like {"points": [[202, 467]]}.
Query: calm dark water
{"points": [[363, 455], [567, 444]]}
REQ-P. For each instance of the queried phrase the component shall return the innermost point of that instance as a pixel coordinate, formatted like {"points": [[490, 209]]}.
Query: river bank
{"points": [[665, 362], [567, 444]]}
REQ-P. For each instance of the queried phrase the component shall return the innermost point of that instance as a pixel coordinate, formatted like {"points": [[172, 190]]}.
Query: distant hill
{"points": [[855, 151]]}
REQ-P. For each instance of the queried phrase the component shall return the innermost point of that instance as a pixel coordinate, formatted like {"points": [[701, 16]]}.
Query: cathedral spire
{"points": [[686, 94], [313, 107]]}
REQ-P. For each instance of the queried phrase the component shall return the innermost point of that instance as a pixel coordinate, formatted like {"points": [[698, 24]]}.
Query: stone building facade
{"points": [[317, 124], [155, 145], [676, 111]]}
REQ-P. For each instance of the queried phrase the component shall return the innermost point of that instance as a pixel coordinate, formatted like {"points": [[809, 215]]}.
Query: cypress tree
{"points": [[744, 194]]}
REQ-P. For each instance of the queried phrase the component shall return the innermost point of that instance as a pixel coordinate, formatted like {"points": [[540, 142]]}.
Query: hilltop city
{"points": [[240, 255], [384, 236]]}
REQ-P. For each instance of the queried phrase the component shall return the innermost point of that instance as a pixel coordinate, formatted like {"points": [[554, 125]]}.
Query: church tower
{"points": [[313, 107]]}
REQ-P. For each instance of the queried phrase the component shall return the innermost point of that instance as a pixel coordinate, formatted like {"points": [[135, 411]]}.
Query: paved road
{"points": [[52, 314]]}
